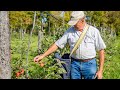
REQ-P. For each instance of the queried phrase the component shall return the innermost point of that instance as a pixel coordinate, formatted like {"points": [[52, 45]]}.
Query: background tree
{"points": [[5, 68]]}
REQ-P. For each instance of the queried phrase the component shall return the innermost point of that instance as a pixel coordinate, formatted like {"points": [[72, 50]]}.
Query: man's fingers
{"points": [[36, 59], [95, 76], [100, 77]]}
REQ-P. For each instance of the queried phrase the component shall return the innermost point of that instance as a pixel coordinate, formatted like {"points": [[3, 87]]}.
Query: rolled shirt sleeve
{"points": [[61, 42], [99, 43]]}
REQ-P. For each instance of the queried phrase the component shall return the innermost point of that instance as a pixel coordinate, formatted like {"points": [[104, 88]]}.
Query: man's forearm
{"points": [[53, 48], [101, 59]]}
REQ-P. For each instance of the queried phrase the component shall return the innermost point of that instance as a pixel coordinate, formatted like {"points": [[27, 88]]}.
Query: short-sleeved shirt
{"points": [[91, 43]]}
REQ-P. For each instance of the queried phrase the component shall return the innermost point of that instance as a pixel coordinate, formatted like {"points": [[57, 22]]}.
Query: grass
{"points": [[112, 61]]}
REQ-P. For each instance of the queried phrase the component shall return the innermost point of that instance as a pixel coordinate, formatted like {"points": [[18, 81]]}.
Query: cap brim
{"points": [[72, 22]]}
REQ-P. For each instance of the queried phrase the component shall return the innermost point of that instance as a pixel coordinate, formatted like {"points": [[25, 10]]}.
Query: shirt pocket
{"points": [[89, 40], [72, 41]]}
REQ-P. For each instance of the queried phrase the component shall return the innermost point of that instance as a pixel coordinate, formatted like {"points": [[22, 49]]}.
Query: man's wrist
{"points": [[43, 55], [100, 70]]}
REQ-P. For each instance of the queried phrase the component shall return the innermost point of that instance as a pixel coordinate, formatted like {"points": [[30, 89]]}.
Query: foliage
{"points": [[111, 67], [106, 19], [20, 19], [50, 70]]}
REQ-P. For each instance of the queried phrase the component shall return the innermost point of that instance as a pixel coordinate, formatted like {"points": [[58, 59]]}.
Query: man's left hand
{"points": [[98, 75]]}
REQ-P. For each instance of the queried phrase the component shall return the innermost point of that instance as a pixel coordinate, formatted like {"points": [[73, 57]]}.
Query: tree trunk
{"points": [[49, 27], [5, 69], [29, 42], [39, 41], [24, 32], [39, 36]]}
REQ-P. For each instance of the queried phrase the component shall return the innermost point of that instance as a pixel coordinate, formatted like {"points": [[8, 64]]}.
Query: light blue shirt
{"points": [[91, 43]]}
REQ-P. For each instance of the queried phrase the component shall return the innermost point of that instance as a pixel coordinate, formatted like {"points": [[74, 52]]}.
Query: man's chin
{"points": [[80, 29]]}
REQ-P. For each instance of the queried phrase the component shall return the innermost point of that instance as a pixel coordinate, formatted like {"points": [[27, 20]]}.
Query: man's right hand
{"points": [[38, 58], [53, 48]]}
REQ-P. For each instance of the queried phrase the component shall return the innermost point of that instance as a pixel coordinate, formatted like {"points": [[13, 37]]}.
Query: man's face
{"points": [[80, 25]]}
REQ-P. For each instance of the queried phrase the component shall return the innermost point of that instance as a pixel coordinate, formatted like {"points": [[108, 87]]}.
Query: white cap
{"points": [[75, 17]]}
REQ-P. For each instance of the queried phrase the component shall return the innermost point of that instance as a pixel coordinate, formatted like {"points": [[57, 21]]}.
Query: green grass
{"points": [[112, 61]]}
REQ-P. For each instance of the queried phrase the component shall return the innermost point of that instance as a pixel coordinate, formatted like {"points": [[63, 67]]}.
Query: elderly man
{"points": [[83, 63]]}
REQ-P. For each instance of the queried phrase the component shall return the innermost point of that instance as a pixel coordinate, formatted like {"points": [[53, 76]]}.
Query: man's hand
{"points": [[53, 48], [98, 75], [38, 58]]}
